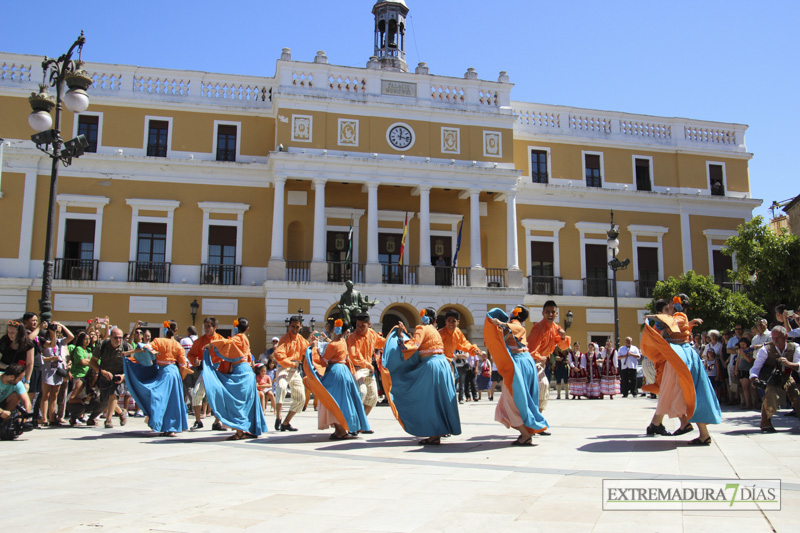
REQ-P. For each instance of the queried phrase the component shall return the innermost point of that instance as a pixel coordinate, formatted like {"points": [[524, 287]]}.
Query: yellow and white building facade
{"points": [[240, 193]]}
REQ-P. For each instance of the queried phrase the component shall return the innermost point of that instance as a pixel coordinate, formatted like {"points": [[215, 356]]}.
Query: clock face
{"points": [[400, 137]]}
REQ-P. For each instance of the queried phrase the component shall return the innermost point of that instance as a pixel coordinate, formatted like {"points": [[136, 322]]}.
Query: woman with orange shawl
{"points": [[158, 388], [518, 407], [418, 381], [231, 384], [685, 391], [329, 375]]}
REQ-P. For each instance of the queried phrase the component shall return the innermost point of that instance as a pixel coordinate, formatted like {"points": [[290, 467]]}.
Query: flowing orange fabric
{"points": [[426, 339], [660, 352], [338, 350]]}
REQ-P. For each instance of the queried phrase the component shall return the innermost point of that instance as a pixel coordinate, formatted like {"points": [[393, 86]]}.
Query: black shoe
{"points": [[367, 432], [769, 429], [653, 430], [545, 433], [288, 427], [277, 424], [790, 413], [197, 425], [217, 426], [682, 431]]}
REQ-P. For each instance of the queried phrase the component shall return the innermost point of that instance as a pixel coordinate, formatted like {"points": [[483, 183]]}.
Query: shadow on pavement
{"points": [[638, 445]]}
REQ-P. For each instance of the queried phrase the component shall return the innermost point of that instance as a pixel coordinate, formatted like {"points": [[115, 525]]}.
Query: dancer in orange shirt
{"points": [[289, 355], [361, 344], [195, 357], [545, 335]]}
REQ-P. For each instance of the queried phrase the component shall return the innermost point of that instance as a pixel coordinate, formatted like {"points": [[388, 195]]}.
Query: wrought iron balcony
{"points": [[547, 285], [215, 274], [148, 272], [76, 269], [597, 287], [341, 271]]}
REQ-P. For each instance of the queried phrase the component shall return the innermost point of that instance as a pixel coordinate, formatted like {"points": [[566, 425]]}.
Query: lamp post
{"points": [[568, 320], [194, 306], [57, 73], [615, 265]]}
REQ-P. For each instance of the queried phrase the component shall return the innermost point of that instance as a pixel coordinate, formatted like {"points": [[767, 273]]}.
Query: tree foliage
{"points": [[767, 264], [718, 307]]}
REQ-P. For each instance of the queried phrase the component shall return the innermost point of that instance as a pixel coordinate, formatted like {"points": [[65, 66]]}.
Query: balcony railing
{"points": [[215, 274], [731, 286], [597, 287], [341, 271], [399, 274], [496, 277], [298, 270], [446, 276], [548, 285], [76, 269], [148, 272], [645, 287]]}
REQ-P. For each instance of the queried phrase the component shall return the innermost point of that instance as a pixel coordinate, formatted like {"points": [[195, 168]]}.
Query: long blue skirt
{"points": [[233, 397], [423, 391], [339, 383], [525, 384], [158, 392], [706, 407]]}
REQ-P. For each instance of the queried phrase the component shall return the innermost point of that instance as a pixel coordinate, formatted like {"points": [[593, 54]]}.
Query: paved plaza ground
{"points": [[125, 479]]}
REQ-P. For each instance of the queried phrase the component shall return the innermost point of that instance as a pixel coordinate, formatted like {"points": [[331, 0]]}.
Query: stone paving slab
{"points": [[127, 479]]}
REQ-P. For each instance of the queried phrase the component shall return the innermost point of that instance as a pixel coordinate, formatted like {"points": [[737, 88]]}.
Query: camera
{"points": [[52, 327], [15, 425]]}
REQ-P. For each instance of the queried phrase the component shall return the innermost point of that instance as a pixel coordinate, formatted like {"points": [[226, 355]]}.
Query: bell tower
{"points": [[390, 34]]}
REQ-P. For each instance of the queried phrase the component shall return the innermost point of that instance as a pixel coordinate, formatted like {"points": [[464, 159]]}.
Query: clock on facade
{"points": [[400, 136]]}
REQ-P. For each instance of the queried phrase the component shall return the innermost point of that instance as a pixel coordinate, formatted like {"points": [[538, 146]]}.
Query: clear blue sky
{"points": [[729, 61]]}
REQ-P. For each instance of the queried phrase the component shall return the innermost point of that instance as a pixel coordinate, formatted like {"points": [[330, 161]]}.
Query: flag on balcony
{"points": [[403, 240], [458, 244], [349, 258]]}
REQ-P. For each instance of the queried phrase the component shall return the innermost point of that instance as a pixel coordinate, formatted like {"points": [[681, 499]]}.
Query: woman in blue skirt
{"points": [[329, 375], [231, 384], [518, 407], [157, 386], [418, 381]]}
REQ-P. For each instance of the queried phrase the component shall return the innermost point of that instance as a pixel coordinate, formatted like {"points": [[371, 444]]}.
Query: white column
{"points": [[686, 242], [277, 219], [474, 229], [424, 225], [511, 222], [372, 224], [319, 220]]}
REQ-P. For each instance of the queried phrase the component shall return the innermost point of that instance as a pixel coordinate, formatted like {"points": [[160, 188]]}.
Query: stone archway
{"points": [[466, 321], [396, 313]]}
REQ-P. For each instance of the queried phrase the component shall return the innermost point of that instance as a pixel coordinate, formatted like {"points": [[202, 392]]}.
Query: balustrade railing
{"points": [[148, 272], [215, 274], [76, 269], [341, 271], [645, 287], [298, 270], [496, 277], [399, 274], [547, 285], [597, 287]]}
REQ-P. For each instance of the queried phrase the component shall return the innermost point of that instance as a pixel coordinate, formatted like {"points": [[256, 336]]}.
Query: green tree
{"points": [[767, 264], [718, 307]]}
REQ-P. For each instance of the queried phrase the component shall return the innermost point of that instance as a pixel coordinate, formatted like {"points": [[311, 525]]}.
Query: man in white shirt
{"points": [[763, 336], [629, 356], [778, 355]]}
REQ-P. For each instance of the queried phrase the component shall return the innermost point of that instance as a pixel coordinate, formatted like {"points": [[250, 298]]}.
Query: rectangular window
{"points": [[643, 175], [226, 142], [222, 245], [88, 126], [152, 242], [722, 263], [542, 264], [716, 181], [596, 270], [337, 247], [389, 248], [157, 138], [539, 166], [593, 176], [79, 239], [647, 260]]}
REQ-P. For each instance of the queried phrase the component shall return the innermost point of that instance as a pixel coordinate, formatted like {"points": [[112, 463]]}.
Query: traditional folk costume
{"points": [[329, 375], [230, 385], [685, 389], [360, 349], [519, 401], [592, 367], [455, 340], [195, 356], [542, 340], [418, 383], [609, 373], [577, 374], [289, 355], [158, 388]]}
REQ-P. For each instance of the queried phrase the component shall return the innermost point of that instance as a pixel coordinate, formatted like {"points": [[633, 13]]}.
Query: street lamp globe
{"points": [[40, 120], [76, 100]]}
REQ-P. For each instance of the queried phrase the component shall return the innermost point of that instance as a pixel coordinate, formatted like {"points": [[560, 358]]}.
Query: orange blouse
{"points": [[456, 340], [361, 347], [426, 339], [290, 350], [195, 354], [544, 338], [170, 352], [336, 352]]}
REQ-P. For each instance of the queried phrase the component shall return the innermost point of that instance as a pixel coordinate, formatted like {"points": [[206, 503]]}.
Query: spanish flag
{"points": [[403, 240]]}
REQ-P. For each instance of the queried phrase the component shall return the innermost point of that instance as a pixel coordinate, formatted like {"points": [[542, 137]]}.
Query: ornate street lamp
{"points": [[194, 306], [615, 265], [57, 73], [568, 320]]}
